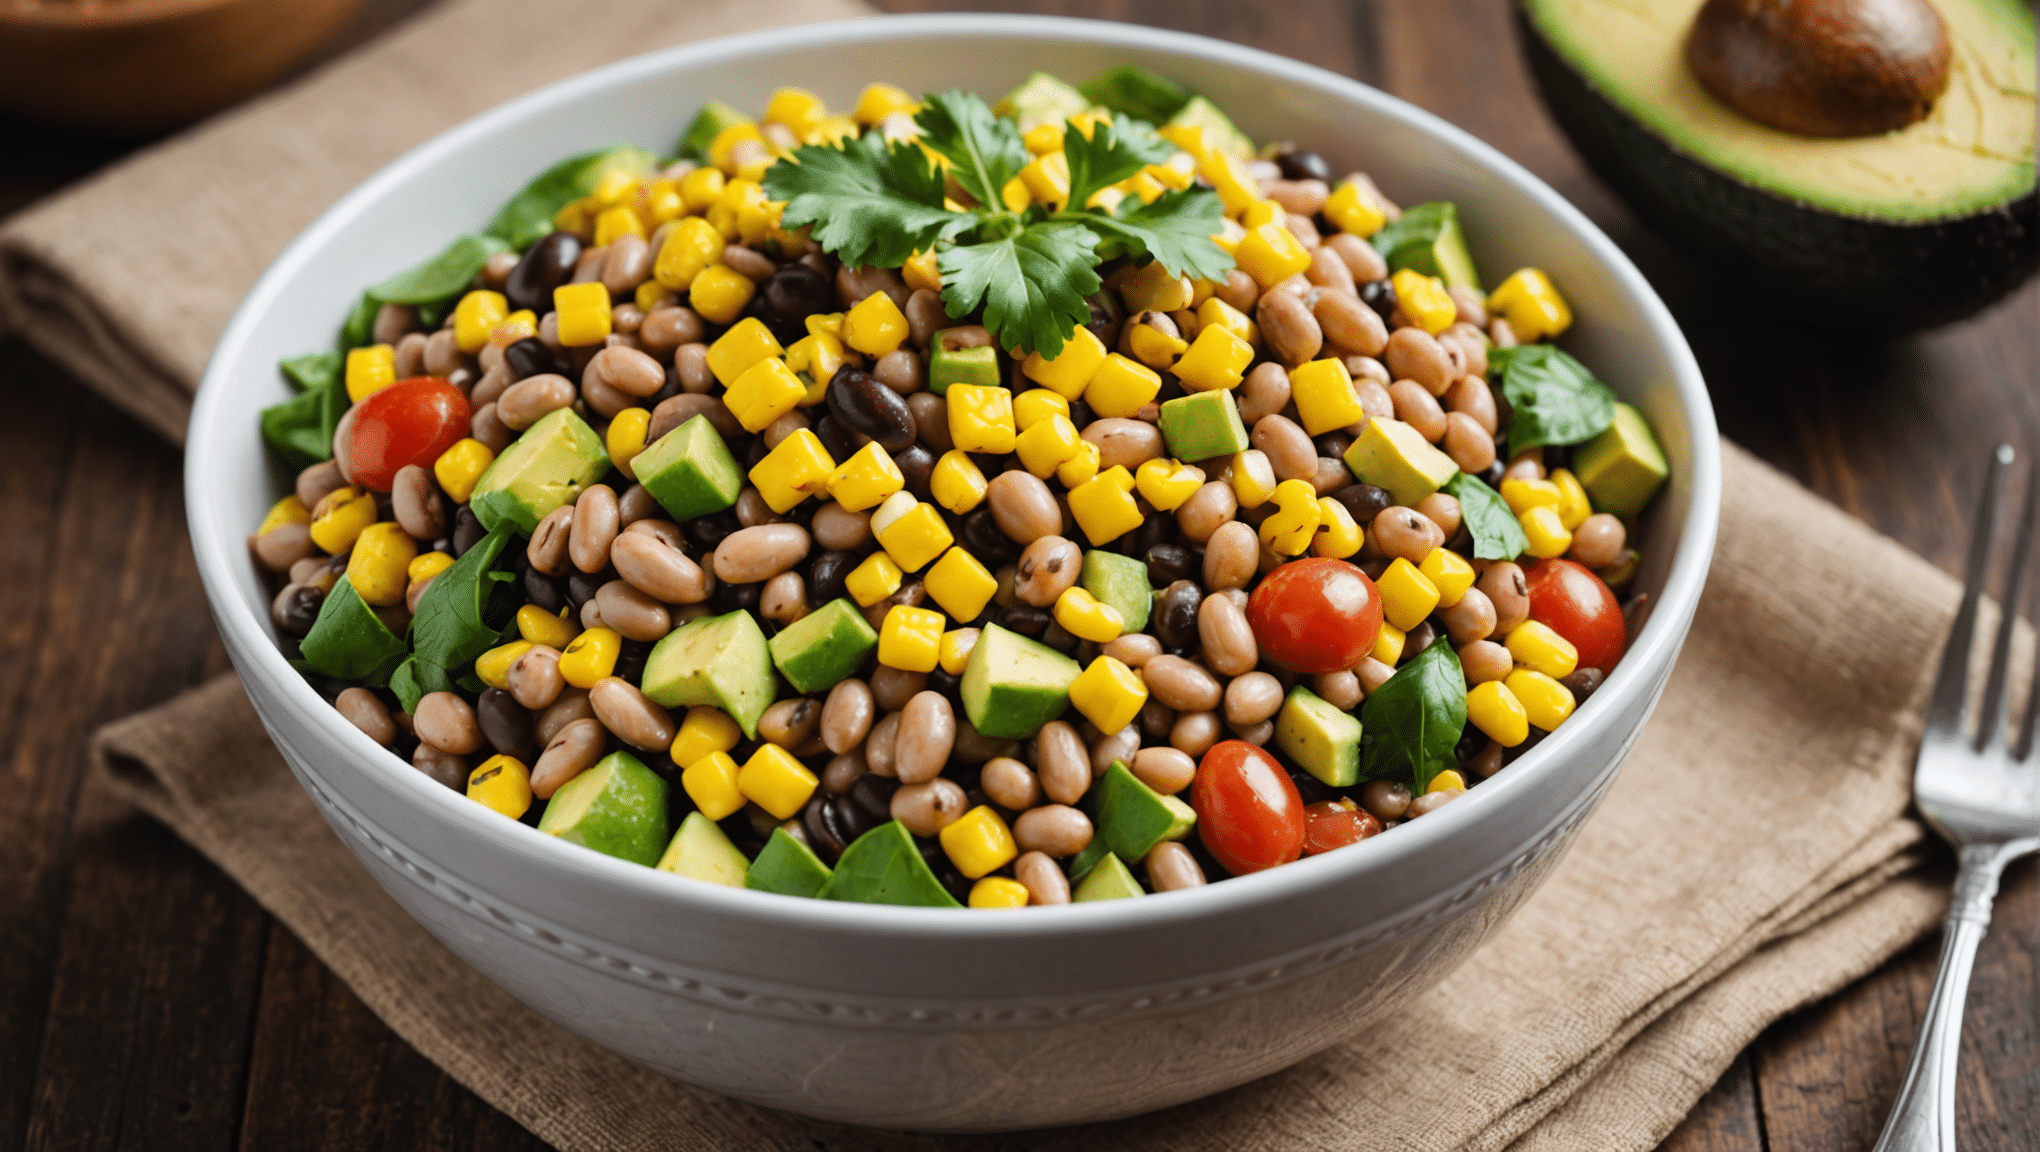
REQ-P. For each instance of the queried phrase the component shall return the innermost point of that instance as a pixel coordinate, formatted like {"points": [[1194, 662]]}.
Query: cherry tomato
{"points": [[1315, 615], [1248, 811], [1570, 600], [1335, 824], [410, 422]]}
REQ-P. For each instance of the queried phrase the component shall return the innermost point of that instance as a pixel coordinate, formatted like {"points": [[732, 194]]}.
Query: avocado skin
{"points": [[1841, 272]]}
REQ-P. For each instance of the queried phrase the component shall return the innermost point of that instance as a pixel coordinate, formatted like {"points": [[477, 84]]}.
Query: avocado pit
{"points": [[1826, 68]]}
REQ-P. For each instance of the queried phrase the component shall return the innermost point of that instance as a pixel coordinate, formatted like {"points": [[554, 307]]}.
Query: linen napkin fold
{"points": [[128, 278], [1754, 855]]}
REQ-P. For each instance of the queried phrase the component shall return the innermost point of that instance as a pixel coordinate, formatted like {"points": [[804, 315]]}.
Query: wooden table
{"points": [[147, 1003]]}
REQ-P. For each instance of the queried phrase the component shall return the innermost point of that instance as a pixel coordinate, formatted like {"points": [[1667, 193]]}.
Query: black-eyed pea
{"points": [[1330, 273], [1023, 506], [1470, 446], [1288, 329], [534, 677], [1366, 264], [1061, 762], [1442, 509], [446, 722], [1112, 748], [1048, 567], [1509, 592], [784, 599], [1229, 645], [1386, 799], [571, 705], [522, 403], [631, 715], [927, 807], [1164, 769], [1484, 660], [1416, 407], [842, 771], [1171, 868], [416, 503], [1210, 506], [1414, 354], [632, 613], [1525, 465], [1195, 732], [1265, 392], [1339, 689], [878, 747], [283, 546], [1156, 718], [1349, 324], [1406, 533], [752, 555], [1052, 829], [1010, 784], [790, 723], [1184, 686], [1133, 649], [847, 715], [1290, 453], [1045, 880], [443, 767], [571, 751], [1373, 674], [927, 734], [1599, 540], [1252, 698], [891, 688], [1230, 556], [1471, 619], [1430, 802], [365, 711], [596, 521]]}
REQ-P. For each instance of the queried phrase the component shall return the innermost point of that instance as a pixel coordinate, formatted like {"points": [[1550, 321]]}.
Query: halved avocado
{"points": [[1884, 233]]}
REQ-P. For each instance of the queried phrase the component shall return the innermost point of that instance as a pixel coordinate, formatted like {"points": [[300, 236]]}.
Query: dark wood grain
{"points": [[146, 1003]]}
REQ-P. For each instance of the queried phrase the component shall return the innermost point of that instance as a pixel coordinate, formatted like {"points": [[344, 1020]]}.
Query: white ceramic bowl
{"points": [[922, 1018]]}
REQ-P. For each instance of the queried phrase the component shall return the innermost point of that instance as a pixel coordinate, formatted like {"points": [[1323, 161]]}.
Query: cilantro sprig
{"points": [[873, 201]]}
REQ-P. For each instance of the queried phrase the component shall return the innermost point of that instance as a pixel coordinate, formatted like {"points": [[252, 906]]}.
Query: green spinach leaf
{"points": [[359, 328], [1130, 90], [1554, 398], [349, 641], [529, 214], [446, 274], [452, 625], [1413, 722], [884, 866], [1497, 534], [301, 428]]}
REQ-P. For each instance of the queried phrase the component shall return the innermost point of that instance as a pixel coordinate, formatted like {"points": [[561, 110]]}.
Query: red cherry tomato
{"points": [[409, 422], [1570, 600], [1335, 824], [1315, 615], [1248, 811]]}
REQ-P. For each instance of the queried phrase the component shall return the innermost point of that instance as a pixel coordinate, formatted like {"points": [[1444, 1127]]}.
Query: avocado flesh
{"points": [[718, 660], [1110, 880], [823, 648], [1623, 467], [701, 851], [1324, 741], [618, 808], [1396, 458], [1881, 233], [1122, 583], [542, 470], [1042, 99], [1014, 685]]}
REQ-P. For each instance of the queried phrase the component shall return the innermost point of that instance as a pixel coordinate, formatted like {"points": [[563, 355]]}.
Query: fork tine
{"points": [[1944, 711], [1990, 733]]}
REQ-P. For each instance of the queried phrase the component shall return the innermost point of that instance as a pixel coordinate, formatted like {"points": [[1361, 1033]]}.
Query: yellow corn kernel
{"points": [[721, 150], [1079, 468], [1217, 360], [981, 418], [1067, 373], [999, 892], [825, 324], [1337, 536], [1229, 235], [1270, 254], [616, 223], [797, 469], [1449, 572], [1423, 300], [377, 566], [1151, 289], [758, 218], [661, 203], [1407, 595], [957, 645], [1015, 196], [1523, 495], [651, 294], [1108, 198], [519, 325], [493, 666], [699, 189], [817, 357], [979, 842], [340, 518], [502, 783], [590, 657], [1122, 387], [960, 585], [797, 108], [615, 187], [1043, 139], [710, 780], [1186, 320], [687, 251], [1189, 137], [1253, 478], [1037, 404], [921, 272], [1354, 208], [1047, 444], [1548, 537], [1166, 483], [542, 627], [1388, 647], [459, 467], [1325, 397], [1289, 530], [910, 639], [625, 437], [866, 479], [879, 101], [1145, 184], [1048, 179], [1237, 188], [876, 326], [1216, 313], [720, 293], [1445, 781], [1087, 618], [573, 217], [874, 580], [583, 313], [289, 510], [957, 483], [735, 351], [911, 532], [1152, 346], [765, 392], [372, 369], [1108, 694], [1200, 291], [1496, 711], [1546, 703], [426, 565], [1104, 506], [1536, 646], [1176, 173], [704, 731], [1531, 304], [477, 313], [1573, 506], [775, 781], [1259, 214]]}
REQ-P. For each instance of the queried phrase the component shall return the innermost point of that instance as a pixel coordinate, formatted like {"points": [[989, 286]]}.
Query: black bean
{"points": [[1172, 389], [1536, 737], [1081, 414], [826, 576], [1303, 166], [581, 586], [1175, 616], [1462, 540], [836, 438], [300, 610], [1025, 619], [1155, 529], [1492, 474], [1380, 296], [949, 686], [506, 725], [916, 465], [1169, 562], [1365, 502], [1584, 682], [793, 293], [530, 357], [983, 539], [545, 591], [730, 597], [545, 266], [467, 531], [708, 532], [1471, 741], [1375, 566], [1333, 445], [631, 656], [1105, 316], [863, 404], [1312, 790], [756, 454], [824, 835], [1059, 638], [946, 873]]}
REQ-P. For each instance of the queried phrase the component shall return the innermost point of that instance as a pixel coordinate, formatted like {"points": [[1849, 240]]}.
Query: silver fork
{"points": [[1983, 796]]}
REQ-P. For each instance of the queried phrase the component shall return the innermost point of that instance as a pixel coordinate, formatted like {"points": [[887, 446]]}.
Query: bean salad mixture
{"points": [[945, 504]]}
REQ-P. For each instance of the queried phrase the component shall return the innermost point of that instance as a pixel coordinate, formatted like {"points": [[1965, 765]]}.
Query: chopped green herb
{"points": [[301, 428], [350, 642], [444, 275], [1555, 399], [1497, 534], [1411, 724], [529, 215]]}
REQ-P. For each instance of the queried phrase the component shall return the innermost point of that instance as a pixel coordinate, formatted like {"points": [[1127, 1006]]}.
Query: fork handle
{"points": [[1923, 1119]]}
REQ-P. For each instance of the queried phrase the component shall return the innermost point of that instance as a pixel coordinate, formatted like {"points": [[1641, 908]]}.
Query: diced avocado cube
{"points": [[1396, 458], [719, 660], [1122, 582], [884, 866], [1081, 864], [1203, 425], [787, 866], [708, 124], [823, 648], [1133, 818], [618, 808], [1218, 127], [690, 471], [1131, 90], [544, 469], [1323, 741], [1110, 880], [701, 851], [1428, 239], [1623, 467], [1041, 99], [1014, 685], [978, 366]]}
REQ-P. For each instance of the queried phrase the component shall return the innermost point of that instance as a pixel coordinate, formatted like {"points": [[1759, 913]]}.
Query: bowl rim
{"points": [[1657, 641]]}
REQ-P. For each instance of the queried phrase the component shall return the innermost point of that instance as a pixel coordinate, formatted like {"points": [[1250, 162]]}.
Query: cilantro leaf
{"points": [[1033, 284], [1176, 229], [871, 203], [985, 150], [1108, 156]]}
